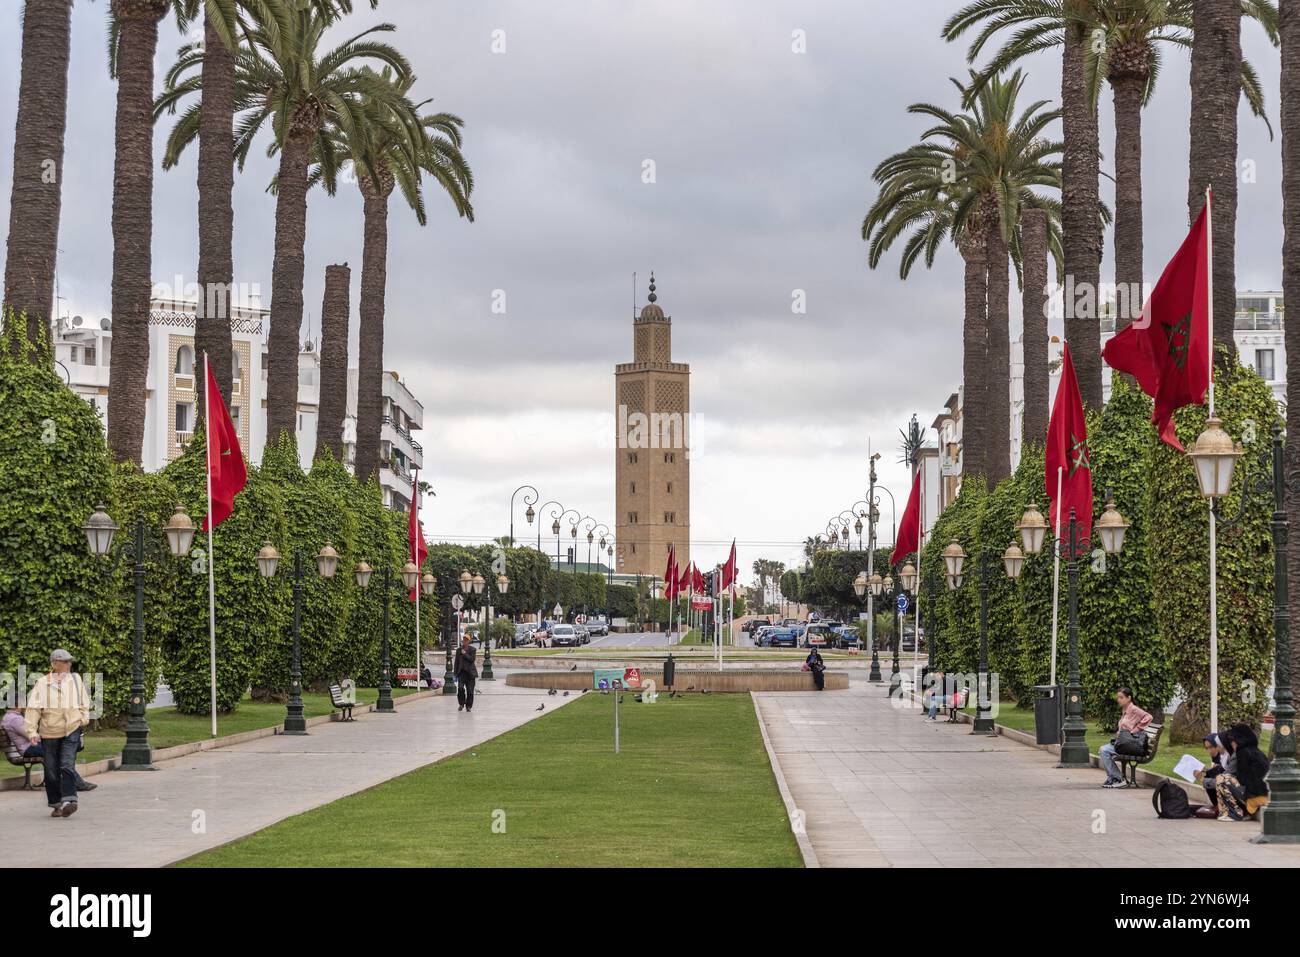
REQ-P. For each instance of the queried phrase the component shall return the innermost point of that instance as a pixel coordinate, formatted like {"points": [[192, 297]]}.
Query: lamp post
{"points": [[268, 559], [1280, 822], [99, 529], [1074, 547], [528, 514], [410, 579], [503, 585], [873, 516], [465, 582]]}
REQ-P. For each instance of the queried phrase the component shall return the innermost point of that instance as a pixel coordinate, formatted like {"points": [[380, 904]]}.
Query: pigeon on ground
{"points": [[690, 687], [585, 690], [638, 699], [566, 694], [706, 691], [574, 668], [552, 691], [541, 707]]}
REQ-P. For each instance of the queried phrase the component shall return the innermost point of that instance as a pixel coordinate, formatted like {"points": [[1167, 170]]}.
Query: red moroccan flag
{"points": [[729, 569], [1168, 350], [227, 473], [670, 575], [697, 580], [418, 550], [1067, 449], [909, 529], [683, 580]]}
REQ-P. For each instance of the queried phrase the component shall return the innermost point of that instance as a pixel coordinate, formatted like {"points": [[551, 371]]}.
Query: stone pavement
{"points": [[146, 818], [881, 787]]}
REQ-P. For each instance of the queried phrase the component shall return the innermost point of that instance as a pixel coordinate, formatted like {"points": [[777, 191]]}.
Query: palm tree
{"points": [[1115, 40], [209, 67], [305, 94], [36, 194], [1290, 121], [1034, 300], [1212, 160], [393, 148], [968, 180], [133, 41], [335, 316]]}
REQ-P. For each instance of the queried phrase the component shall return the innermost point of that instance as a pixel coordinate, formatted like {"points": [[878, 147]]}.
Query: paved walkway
{"points": [[881, 787], [146, 818]]}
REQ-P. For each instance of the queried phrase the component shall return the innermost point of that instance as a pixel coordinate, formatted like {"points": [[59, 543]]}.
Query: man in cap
{"points": [[58, 710]]}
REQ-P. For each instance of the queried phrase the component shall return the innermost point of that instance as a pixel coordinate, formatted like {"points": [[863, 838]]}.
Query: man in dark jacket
{"points": [[466, 672]]}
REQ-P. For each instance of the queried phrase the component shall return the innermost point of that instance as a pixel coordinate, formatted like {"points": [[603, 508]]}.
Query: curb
{"points": [[791, 810], [103, 765]]}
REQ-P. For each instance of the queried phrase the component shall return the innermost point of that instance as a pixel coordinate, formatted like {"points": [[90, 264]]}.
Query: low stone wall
{"points": [[692, 679]]}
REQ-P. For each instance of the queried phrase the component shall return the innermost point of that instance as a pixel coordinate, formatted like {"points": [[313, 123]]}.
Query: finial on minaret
{"points": [[652, 296]]}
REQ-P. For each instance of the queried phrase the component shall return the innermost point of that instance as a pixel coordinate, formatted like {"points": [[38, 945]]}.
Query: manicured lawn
{"points": [[1022, 719], [168, 727], [691, 788]]}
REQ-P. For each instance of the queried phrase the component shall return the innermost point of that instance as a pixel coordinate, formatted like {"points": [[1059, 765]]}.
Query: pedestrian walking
{"points": [[15, 726], [58, 709], [466, 672]]}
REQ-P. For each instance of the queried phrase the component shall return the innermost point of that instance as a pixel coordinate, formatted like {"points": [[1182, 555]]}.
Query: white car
{"points": [[563, 635]]}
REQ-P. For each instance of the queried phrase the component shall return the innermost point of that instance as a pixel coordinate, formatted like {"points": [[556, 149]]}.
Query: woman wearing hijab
{"points": [[1242, 792]]}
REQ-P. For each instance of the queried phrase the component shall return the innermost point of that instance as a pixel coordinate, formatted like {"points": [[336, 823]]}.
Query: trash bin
{"points": [[1048, 713], [670, 671]]}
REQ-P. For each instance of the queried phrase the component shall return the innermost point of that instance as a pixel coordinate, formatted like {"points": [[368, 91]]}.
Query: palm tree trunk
{"points": [[1216, 91], [1080, 214], [35, 199], [974, 418], [216, 212], [370, 358], [334, 318], [286, 291], [132, 226], [1290, 116], [997, 376], [1033, 254], [1128, 89]]}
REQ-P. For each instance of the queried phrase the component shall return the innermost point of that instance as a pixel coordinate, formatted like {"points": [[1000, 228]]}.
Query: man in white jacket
{"points": [[58, 710]]}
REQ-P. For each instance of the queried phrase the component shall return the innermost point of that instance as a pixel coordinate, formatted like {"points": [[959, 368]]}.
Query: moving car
{"points": [[563, 636], [597, 629], [750, 627], [584, 636], [525, 634]]}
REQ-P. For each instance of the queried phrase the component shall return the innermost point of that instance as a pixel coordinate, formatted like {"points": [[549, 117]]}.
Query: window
{"points": [[185, 361], [89, 356], [634, 488], [631, 458], [670, 518], [669, 457], [1264, 364], [632, 518], [670, 488], [234, 417], [184, 418], [634, 548], [1247, 304]]}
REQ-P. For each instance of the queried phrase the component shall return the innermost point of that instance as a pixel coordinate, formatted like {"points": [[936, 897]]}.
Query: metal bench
{"points": [[1129, 763], [16, 758], [336, 699]]}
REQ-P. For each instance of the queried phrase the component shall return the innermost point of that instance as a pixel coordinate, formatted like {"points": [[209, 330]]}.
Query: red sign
{"points": [[701, 604], [408, 677]]}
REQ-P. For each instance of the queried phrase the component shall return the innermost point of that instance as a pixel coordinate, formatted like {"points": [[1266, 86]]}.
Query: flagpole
{"points": [[1214, 521], [415, 494], [920, 538], [212, 594], [1056, 572]]}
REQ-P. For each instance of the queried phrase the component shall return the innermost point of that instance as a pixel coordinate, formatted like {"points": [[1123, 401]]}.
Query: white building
{"points": [[83, 351], [1257, 333]]}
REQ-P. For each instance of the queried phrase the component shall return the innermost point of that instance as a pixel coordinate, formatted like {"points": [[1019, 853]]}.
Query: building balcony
{"points": [[1258, 322], [396, 392], [394, 432]]}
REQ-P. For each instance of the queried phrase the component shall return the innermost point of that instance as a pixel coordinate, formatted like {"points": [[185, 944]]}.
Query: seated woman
{"points": [[1132, 720], [1242, 792], [815, 664], [1220, 761]]}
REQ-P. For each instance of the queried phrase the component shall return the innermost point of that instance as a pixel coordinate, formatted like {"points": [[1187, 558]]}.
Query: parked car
{"points": [[564, 636], [818, 635], [525, 634], [760, 635], [584, 636], [750, 627], [909, 639], [847, 637], [790, 622], [781, 638]]}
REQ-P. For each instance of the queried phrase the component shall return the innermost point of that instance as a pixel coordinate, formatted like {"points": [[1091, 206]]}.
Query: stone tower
{"points": [[652, 399]]}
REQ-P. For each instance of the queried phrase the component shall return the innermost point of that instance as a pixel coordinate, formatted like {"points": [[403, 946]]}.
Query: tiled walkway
{"points": [[148, 818], [880, 787]]}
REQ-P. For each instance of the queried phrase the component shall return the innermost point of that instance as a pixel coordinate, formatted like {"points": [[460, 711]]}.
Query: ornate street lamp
{"points": [[954, 557], [503, 585], [268, 560], [529, 514], [362, 573], [99, 529], [1074, 548]]}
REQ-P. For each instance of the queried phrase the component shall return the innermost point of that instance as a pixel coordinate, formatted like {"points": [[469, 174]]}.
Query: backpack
{"points": [[1170, 801]]}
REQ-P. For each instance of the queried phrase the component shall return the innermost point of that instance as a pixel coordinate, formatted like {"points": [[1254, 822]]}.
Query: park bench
{"points": [[16, 758], [956, 701], [1129, 763], [336, 699]]}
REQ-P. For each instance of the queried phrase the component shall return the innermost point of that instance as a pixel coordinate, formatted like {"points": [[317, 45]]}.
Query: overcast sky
{"points": [[762, 159]]}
